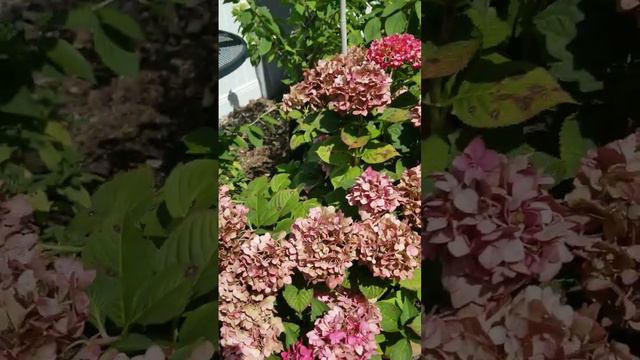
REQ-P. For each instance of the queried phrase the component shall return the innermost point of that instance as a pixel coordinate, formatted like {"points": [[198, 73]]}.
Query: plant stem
{"points": [[61, 248]]}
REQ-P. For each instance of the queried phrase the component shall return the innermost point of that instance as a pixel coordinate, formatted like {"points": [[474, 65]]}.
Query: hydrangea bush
{"points": [[322, 259]]}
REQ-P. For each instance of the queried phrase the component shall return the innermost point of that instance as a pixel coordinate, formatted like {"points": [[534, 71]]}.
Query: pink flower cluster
{"points": [[396, 50], [534, 324], [347, 331], [232, 223], [373, 194], [347, 84], [298, 352], [606, 201], [43, 304], [494, 225]]}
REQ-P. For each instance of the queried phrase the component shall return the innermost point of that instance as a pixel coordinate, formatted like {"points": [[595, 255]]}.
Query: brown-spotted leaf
{"points": [[395, 115], [447, 59], [376, 153], [509, 101], [352, 139]]}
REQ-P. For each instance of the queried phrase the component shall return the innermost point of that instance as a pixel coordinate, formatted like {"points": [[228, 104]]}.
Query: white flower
{"points": [[241, 6]]}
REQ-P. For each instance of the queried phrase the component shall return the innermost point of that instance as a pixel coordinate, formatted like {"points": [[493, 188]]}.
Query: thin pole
{"points": [[343, 25]]}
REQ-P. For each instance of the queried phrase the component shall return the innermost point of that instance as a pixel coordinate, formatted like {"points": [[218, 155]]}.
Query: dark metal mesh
{"points": [[230, 49]]}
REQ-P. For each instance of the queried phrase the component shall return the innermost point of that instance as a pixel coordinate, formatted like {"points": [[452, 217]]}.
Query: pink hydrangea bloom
{"points": [[395, 50], [321, 245], [373, 194], [416, 115], [496, 231], [298, 352], [388, 246], [347, 331], [347, 84], [410, 188], [477, 162], [43, 303], [265, 264]]}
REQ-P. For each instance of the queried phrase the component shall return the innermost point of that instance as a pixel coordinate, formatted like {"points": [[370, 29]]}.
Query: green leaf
{"points": [[49, 155], [416, 325], [558, 23], [121, 22], [24, 104], [78, 195], [280, 182], [264, 46], [407, 307], [352, 139], [372, 29], [39, 201], [192, 244], [121, 61], [82, 18], [6, 152], [133, 342], [66, 57], [345, 176], [163, 297], [283, 202], [394, 6], [298, 299], [494, 30], [447, 59], [376, 152], [396, 23], [573, 146], [395, 115], [189, 184], [509, 101], [58, 133], [333, 151], [261, 213], [200, 350], [390, 316], [435, 154], [400, 350], [291, 332], [414, 284], [201, 141], [372, 288], [318, 308], [199, 324]]}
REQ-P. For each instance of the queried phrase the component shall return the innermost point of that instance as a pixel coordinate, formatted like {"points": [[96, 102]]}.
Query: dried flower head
{"points": [[321, 245], [606, 199], [264, 264], [494, 225], [373, 194], [410, 191], [43, 304], [388, 246], [232, 226], [396, 50], [347, 84], [347, 331], [416, 115]]}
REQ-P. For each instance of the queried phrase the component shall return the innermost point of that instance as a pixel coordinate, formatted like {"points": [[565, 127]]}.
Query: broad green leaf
{"points": [[70, 60], [345, 176], [82, 18], [372, 288], [163, 297], [435, 154], [125, 258], [199, 324], [201, 141], [284, 202], [390, 316], [6, 152], [407, 307], [24, 104], [133, 342], [493, 29], [198, 351], [376, 152], [296, 141], [298, 299], [447, 59], [318, 308], [400, 350], [121, 22], [333, 151], [121, 61], [264, 46], [193, 182], [558, 24], [352, 139], [291, 332], [414, 284], [192, 244], [396, 23], [39, 201], [372, 30], [395, 115], [261, 213], [510, 101], [416, 325], [280, 182], [58, 133], [394, 6], [78, 195], [573, 146], [49, 155]]}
